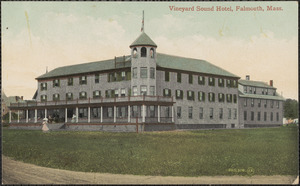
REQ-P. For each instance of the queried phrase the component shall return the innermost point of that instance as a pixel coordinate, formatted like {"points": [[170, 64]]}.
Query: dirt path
{"points": [[14, 172]]}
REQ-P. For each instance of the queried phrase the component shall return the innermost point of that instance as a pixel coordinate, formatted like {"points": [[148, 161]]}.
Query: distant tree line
{"points": [[291, 109]]}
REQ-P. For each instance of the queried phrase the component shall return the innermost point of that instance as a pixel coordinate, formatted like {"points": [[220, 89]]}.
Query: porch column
{"points": [[101, 114], [35, 115], [45, 113], [66, 115], [172, 113], [18, 116], [9, 116], [115, 114], [129, 114], [26, 116], [158, 113], [89, 114], [143, 113], [76, 114]]}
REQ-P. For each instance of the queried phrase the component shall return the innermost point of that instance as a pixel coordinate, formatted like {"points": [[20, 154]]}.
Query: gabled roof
{"points": [[163, 60], [85, 68], [259, 96], [255, 83], [192, 65], [143, 40]]}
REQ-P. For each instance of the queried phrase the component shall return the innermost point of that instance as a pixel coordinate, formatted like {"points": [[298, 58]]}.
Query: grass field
{"points": [[265, 151]]}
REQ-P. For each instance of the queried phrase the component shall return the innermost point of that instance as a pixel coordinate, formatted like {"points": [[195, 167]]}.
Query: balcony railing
{"points": [[94, 100]]}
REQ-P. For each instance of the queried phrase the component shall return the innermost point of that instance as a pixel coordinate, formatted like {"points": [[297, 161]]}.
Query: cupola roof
{"points": [[143, 40]]}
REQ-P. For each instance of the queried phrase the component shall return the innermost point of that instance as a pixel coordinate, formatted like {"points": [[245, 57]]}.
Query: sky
{"points": [[46, 35]]}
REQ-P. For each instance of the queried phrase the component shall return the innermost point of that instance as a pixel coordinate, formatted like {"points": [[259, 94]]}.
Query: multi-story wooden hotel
{"points": [[147, 91]]}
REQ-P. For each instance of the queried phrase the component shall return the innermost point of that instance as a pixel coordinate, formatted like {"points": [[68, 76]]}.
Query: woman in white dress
{"points": [[45, 126]]}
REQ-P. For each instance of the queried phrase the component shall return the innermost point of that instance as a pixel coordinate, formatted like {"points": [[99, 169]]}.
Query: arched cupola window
{"points": [[143, 52], [134, 52], [152, 53]]}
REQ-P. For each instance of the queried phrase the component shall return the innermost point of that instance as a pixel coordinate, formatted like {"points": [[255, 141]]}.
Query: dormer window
{"points": [[143, 52], [152, 53]]}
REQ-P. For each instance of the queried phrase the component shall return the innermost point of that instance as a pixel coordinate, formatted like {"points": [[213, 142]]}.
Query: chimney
{"points": [[271, 83], [21, 97], [247, 77]]}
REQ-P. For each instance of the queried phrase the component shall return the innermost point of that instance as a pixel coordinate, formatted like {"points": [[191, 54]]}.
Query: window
{"points": [[55, 97], [221, 113], [144, 72], [178, 77], [82, 80], [265, 116], [234, 113], [167, 76], [252, 116], [110, 112], [56, 83], [43, 86], [134, 90], [128, 75], [221, 97], [179, 112], [211, 81], [250, 90], [167, 92], [69, 96], [201, 80], [254, 90], [266, 91], [259, 103], [96, 94], [152, 53], [229, 98], [211, 97], [121, 112], [201, 96], [258, 116], [262, 91], [277, 104], [201, 113], [228, 83], [234, 98], [221, 82], [82, 95], [190, 112], [245, 102], [134, 53], [152, 73], [96, 78], [179, 94], [143, 52], [234, 83], [245, 89], [245, 115], [123, 92], [123, 75], [152, 111], [190, 78], [229, 113], [190, 95], [70, 81], [211, 113], [43, 97], [82, 112], [143, 90], [252, 102], [134, 110], [152, 90], [266, 102], [271, 117], [116, 94], [277, 116], [111, 77], [134, 72], [272, 103]]}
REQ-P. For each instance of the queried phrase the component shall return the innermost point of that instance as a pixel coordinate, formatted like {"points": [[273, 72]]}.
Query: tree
{"points": [[291, 109]]}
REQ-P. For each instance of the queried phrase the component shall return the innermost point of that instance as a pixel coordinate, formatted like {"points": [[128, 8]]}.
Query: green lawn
{"points": [[265, 151]]}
